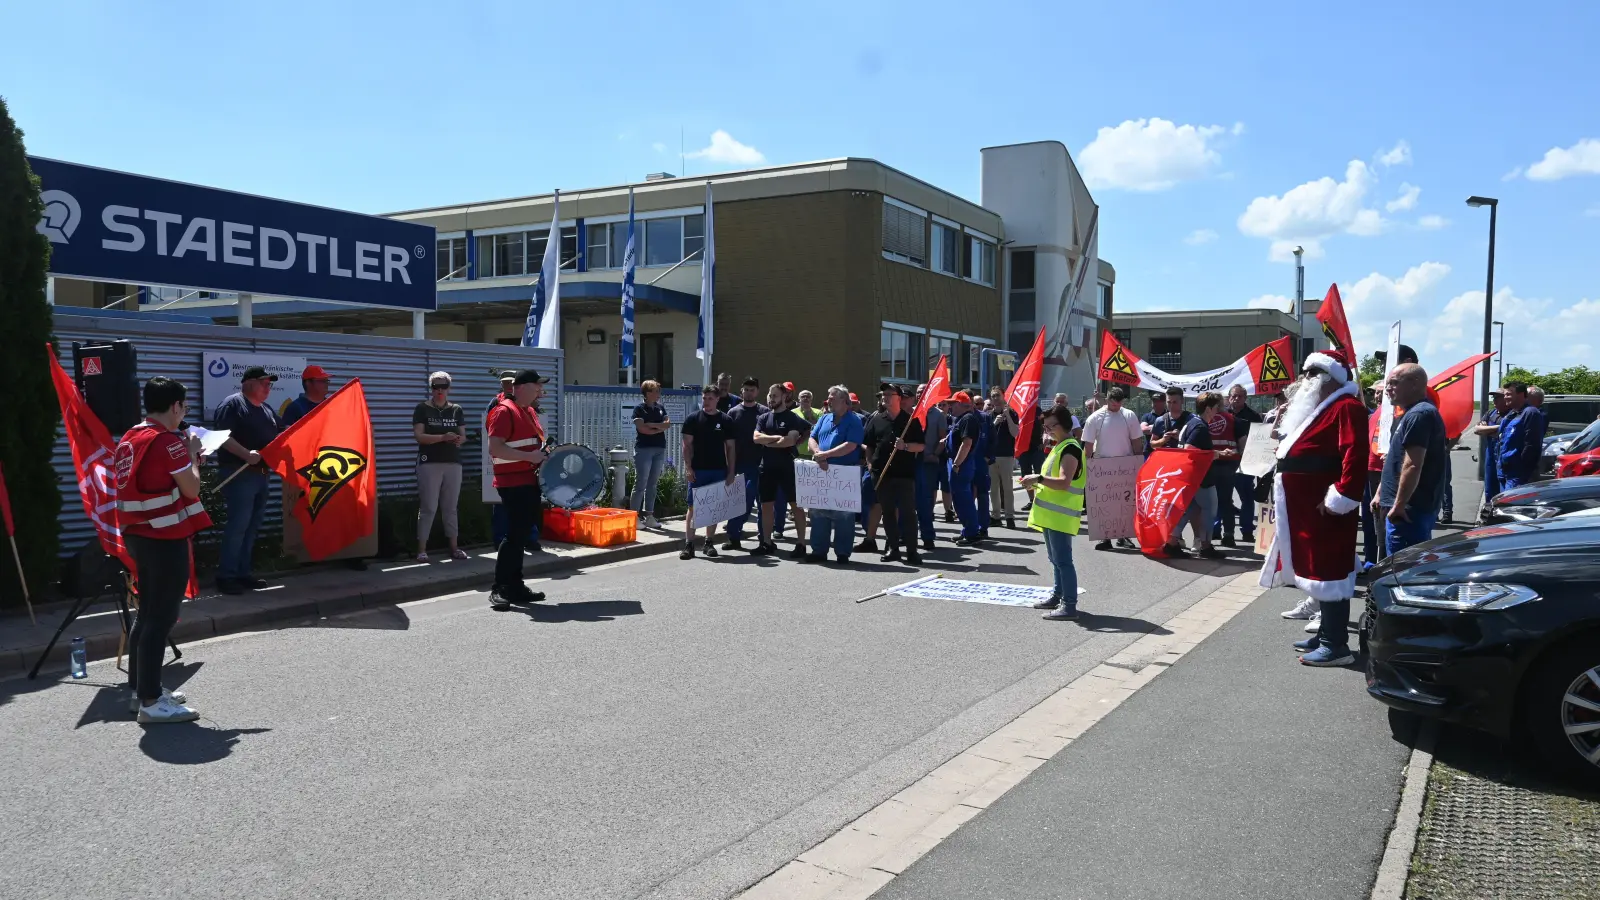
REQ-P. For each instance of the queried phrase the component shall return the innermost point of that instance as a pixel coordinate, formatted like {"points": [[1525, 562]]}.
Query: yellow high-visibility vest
{"points": [[1055, 509]]}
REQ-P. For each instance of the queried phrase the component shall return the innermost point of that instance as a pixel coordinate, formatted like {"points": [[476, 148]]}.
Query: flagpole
{"points": [[22, 578], [903, 431], [708, 266]]}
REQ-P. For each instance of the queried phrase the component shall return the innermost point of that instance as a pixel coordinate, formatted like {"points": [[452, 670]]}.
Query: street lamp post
{"points": [[1500, 354], [1488, 315]]}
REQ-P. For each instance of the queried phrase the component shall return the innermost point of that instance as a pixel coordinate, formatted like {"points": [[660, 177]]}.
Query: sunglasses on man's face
{"points": [[440, 387]]}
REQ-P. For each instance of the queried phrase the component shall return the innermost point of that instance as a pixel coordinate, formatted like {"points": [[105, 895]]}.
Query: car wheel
{"points": [[1562, 710]]}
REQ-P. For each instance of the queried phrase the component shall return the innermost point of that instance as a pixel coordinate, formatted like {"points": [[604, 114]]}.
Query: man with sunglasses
{"points": [[314, 389]]}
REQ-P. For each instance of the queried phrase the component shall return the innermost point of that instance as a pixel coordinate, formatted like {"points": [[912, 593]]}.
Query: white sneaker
{"points": [[1306, 610], [178, 697], [165, 710], [1315, 625], [651, 522]]}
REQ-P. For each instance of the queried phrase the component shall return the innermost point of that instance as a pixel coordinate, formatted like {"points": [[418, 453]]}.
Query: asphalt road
{"points": [[1239, 773], [658, 729]]}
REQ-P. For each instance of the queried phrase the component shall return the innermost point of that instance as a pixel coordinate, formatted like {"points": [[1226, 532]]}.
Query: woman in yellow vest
{"points": [[1058, 510]]}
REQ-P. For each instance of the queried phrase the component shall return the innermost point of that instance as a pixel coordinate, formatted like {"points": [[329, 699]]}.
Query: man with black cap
{"points": [[253, 425], [516, 448], [894, 443]]}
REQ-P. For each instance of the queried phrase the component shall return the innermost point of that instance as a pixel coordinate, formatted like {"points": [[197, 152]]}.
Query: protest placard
{"points": [[975, 591], [1112, 481], [837, 488], [718, 501], [1266, 526], [1260, 451]]}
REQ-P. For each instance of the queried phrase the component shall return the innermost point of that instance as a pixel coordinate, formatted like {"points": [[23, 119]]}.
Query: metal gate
{"points": [[393, 372], [601, 418]]}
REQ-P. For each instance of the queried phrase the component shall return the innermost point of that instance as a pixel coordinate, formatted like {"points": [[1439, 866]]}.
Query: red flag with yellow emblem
{"points": [[327, 456]]}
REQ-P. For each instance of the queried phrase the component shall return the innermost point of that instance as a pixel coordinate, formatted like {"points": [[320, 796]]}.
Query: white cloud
{"points": [[1593, 212], [1150, 154], [1432, 223], [1200, 236], [1407, 199], [658, 147], [1458, 328], [1377, 300], [1512, 175], [724, 149], [1582, 158], [1238, 129], [1314, 210], [1271, 301], [1399, 155]]}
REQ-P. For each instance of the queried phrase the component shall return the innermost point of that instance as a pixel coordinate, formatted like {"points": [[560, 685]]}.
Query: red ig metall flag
{"points": [[937, 392], [1022, 394], [1167, 484], [1334, 324]]}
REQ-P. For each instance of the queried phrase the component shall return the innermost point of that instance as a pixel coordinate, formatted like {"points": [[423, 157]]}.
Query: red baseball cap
{"points": [[313, 372], [854, 398], [961, 397], [788, 386]]}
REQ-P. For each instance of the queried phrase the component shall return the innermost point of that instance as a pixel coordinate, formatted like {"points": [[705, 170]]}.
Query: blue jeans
{"points": [[1236, 496], [246, 501], [1369, 529], [980, 489], [1058, 544], [1449, 489], [961, 487], [648, 462], [928, 474], [1491, 473], [869, 495], [831, 526], [1400, 535], [734, 529]]}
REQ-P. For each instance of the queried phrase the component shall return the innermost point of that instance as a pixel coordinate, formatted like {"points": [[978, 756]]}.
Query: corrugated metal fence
{"points": [[393, 372], [601, 418]]}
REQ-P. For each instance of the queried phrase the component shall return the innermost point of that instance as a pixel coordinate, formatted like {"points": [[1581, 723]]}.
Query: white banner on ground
{"points": [[718, 502], [837, 488], [1112, 482], [976, 592], [1260, 451], [222, 372]]}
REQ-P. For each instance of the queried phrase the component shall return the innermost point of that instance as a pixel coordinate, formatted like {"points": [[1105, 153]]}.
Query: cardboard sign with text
{"points": [[837, 488], [718, 501], [1266, 527], [1112, 483], [1260, 452]]}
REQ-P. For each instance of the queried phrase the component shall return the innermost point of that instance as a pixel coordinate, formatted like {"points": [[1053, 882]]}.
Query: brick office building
{"points": [[841, 271]]}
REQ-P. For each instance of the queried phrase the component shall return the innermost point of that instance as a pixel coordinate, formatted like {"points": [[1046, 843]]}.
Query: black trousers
{"points": [[524, 507], [898, 498], [163, 574]]}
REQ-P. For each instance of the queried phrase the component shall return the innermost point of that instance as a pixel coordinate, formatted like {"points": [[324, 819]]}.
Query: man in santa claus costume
{"points": [[1322, 471]]}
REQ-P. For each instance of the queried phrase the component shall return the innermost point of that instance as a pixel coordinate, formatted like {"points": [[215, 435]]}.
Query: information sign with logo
{"points": [[223, 371]]}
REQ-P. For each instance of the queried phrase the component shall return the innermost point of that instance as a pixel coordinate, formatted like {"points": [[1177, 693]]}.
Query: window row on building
{"points": [[919, 238], [661, 240], [909, 354]]}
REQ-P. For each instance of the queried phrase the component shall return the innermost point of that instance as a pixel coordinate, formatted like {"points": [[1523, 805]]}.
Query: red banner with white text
{"points": [[1167, 484]]}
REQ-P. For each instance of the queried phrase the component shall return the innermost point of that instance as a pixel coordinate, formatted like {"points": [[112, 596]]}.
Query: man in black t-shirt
{"points": [[893, 444], [708, 446], [778, 434], [746, 456]]}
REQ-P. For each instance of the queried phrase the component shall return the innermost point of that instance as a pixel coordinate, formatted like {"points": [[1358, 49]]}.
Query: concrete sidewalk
{"points": [[317, 592]]}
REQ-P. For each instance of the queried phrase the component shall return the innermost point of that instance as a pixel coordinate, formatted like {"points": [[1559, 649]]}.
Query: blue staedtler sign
{"points": [[112, 226]]}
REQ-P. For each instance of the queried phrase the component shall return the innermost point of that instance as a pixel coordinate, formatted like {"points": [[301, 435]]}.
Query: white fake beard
{"points": [[1307, 396]]}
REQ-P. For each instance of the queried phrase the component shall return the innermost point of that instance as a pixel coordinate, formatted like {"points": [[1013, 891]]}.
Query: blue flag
{"points": [[629, 260]]}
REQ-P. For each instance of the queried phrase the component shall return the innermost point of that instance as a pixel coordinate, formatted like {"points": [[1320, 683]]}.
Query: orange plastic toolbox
{"points": [[558, 525], [605, 527]]}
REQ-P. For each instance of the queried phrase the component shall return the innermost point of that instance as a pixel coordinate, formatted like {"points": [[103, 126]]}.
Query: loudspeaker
{"points": [[108, 376]]}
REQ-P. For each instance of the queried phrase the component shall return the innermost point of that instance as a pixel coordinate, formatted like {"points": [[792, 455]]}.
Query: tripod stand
{"points": [[95, 575]]}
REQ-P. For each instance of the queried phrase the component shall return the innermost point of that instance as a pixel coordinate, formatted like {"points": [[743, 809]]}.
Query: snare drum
{"points": [[572, 476]]}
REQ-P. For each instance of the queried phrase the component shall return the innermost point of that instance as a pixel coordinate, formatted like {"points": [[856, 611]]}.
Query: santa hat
{"points": [[1333, 362]]}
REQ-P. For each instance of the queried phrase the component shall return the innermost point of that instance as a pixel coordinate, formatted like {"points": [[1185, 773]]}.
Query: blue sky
{"points": [[378, 107]]}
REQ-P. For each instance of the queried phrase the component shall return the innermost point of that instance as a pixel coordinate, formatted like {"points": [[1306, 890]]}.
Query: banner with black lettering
{"points": [[1265, 370]]}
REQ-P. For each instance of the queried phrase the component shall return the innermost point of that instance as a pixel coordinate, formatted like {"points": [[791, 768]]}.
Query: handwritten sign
{"points": [[1112, 483], [1266, 527], [837, 488], [1260, 452], [718, 501]]}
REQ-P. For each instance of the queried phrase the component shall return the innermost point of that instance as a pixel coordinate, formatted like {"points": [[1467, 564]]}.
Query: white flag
{"points": [[547, 293], [708, 274]]}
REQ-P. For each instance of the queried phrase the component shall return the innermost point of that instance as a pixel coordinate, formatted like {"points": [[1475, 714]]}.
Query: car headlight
{"points": [[1464, 596], [1534, 511]]}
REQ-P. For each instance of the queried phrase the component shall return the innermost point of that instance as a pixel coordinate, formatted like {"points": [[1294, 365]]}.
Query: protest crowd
{"points": [[1318, 463]]}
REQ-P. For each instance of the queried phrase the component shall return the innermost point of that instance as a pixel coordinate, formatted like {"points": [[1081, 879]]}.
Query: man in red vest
{"points": [[516, 447], [158, 511]]}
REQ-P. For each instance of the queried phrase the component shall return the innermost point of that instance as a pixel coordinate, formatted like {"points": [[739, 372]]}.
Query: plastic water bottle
{"points": [[80, 658]]}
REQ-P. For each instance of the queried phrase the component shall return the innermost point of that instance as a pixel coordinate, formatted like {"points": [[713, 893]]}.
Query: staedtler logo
{"points": [[61, 216]]}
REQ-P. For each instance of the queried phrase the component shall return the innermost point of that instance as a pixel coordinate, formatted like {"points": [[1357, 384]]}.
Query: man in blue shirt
{"points": [[253, 425], [1154, 421], [1518, 458], [835, 440], [314, 383], [1412, 486], [965, 455]]}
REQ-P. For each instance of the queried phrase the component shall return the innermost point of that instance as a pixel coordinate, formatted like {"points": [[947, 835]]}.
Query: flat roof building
{"points": [[1185, 341]]}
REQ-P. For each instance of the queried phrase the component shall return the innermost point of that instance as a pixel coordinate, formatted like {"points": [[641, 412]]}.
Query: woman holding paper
{"points": [[1058, 497]]}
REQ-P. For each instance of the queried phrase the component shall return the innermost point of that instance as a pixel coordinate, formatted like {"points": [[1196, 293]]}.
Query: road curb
{"points": [[199, 626], [1396, 865]]}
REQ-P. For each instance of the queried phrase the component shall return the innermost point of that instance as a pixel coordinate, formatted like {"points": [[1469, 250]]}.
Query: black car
{"points": [[1496, 628], [1543, 500]]}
